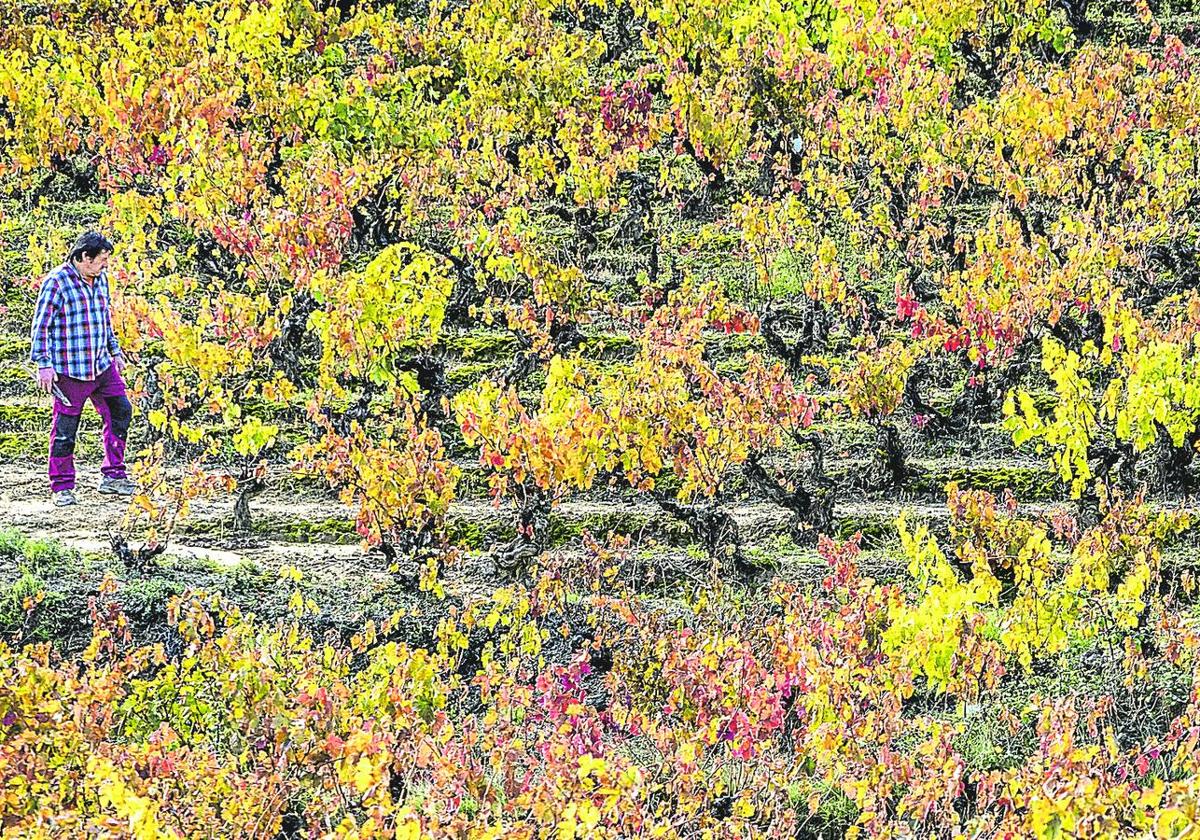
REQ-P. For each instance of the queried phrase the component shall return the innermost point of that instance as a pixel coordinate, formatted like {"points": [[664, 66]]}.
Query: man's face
{"points": [[91, 267]]}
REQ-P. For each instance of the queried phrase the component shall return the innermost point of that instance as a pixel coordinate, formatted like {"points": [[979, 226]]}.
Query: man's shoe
{"points": [[117, 486], [62, 498]]}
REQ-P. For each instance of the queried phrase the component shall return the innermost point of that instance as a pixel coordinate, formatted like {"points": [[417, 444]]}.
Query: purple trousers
{"points": [[107, 393]]}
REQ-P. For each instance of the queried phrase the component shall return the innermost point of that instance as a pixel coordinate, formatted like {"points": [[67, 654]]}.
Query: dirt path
{"points": [[25, 505]]}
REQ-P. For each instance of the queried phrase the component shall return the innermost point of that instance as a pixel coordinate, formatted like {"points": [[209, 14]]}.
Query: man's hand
{"points": [[46, 377], [119, 365]]}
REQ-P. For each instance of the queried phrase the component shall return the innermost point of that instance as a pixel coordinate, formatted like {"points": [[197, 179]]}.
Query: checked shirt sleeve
{"points": [[48, 303]]}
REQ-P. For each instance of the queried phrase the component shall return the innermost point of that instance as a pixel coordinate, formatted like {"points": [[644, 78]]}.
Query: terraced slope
{"points": [[297, 521]]}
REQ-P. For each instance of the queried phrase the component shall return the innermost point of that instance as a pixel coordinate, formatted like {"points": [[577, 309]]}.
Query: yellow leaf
{"points": [[364, 775], [408, 827]]}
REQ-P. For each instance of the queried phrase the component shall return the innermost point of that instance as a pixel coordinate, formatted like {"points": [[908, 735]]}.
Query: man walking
{"points": [[78, 358]]}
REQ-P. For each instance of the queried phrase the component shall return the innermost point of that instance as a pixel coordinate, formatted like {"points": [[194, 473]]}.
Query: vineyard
{"points": [[609, 419]]}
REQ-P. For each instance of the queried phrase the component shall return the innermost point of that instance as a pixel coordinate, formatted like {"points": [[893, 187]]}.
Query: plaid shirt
{"points": [[72, 331]]}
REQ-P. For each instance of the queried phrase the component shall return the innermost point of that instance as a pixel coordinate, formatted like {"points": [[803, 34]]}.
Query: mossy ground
{"points": [[68, 578]]}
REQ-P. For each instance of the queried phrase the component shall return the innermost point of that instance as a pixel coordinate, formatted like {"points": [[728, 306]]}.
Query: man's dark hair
{"points": [[89, 245]]}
